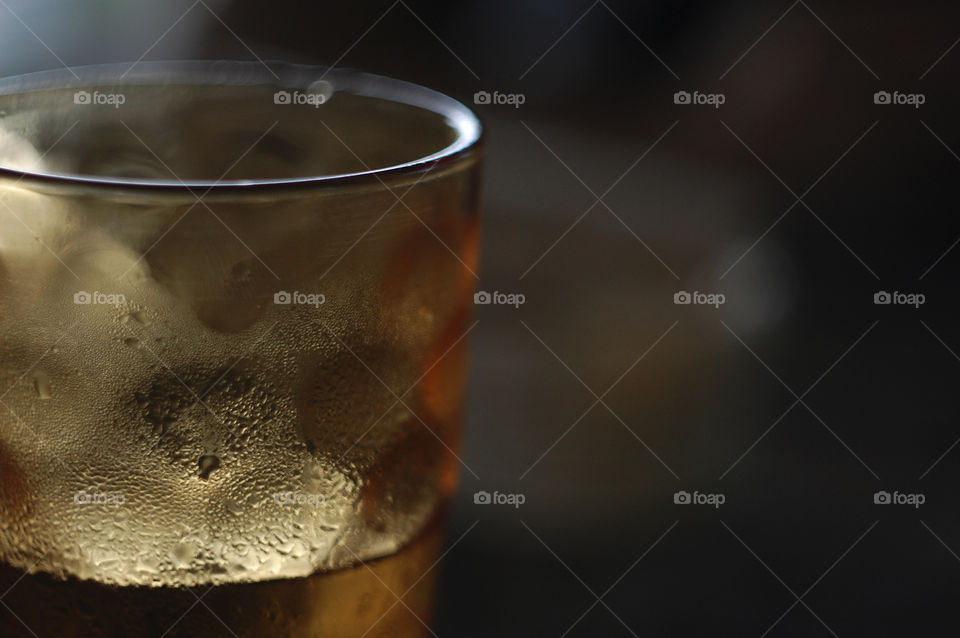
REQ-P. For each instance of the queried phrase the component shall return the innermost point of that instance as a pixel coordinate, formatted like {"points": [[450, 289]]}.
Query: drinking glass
{"points": [[234, 308]]}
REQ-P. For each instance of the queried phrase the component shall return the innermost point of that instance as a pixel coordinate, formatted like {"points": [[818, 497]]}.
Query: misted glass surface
{"points": [[220, 366]]}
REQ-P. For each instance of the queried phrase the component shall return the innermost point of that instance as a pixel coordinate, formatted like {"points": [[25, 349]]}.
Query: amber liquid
{"points": [[391, 596]]}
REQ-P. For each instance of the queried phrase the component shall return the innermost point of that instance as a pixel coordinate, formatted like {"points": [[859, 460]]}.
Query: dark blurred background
{"points": [[599, 399]]}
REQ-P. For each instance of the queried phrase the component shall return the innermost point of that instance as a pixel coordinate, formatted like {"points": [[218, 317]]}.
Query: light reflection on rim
{"points": [[292, 76]]}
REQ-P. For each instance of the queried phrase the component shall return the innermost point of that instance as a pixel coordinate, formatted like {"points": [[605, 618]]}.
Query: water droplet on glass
{"points": [[41, 383], [207, 465], [184, 553], [136, 316]]}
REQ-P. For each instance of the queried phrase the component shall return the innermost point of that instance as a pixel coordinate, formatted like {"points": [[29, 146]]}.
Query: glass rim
{"points": [[284, 75]]}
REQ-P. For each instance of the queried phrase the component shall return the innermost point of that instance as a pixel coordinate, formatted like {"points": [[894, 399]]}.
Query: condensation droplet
{"points": [[207, 465], [184, 553], [136, 316], [41, 383]]}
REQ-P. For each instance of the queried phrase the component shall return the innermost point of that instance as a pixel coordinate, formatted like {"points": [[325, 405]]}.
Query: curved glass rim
{"points": [[284, 75]]}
